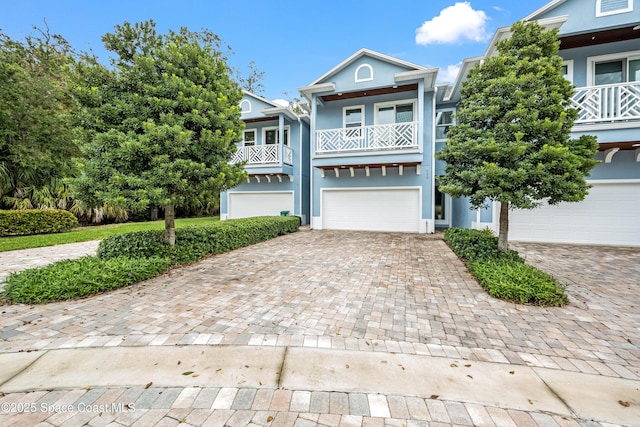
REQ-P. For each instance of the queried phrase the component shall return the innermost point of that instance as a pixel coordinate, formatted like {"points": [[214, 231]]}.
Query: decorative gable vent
{"points": [[612, 7]]}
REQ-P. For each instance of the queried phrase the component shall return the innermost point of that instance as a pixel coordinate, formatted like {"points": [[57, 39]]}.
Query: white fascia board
{"points": [[253, 95], [368, 52], [505, 32], [547, 7], [429, 76], [280, 110], [467, 65], [307, 91]]}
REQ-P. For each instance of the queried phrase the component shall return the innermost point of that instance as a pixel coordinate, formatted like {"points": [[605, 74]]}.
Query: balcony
{"points": [[365, 139], [263, 155], [607, 104]]}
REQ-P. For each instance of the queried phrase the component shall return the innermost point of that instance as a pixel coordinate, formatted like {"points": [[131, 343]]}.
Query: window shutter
{"points": [[612, 6]]}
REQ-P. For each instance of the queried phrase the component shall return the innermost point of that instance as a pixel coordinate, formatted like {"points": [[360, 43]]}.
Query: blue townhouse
{"points": [[600, 45], [275, 147], [372, 145]]}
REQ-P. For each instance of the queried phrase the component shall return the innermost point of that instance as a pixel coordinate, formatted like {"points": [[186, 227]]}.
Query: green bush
{"points": [[194, 243], [503, 274], [519, 282], [80, 277], [35, 221], [477, 244]]}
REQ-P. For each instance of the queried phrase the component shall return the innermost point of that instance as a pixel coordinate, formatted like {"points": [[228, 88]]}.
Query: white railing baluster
{"points": [[367, 138], [262, 155], [607, 103]]}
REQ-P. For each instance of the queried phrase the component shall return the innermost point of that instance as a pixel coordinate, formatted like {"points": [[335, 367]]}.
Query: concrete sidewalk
{"points": [[378, 385]]}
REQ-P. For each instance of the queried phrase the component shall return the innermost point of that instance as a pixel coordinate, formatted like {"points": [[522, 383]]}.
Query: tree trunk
{"points": [[154, 213], [503, 237], [170, 224]]}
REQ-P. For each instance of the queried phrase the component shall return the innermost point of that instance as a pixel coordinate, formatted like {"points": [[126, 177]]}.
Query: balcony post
{"points": [[281, 138]]}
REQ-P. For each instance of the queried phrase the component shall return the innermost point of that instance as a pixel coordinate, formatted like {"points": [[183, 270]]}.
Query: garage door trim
{"points": [[291, 193]]}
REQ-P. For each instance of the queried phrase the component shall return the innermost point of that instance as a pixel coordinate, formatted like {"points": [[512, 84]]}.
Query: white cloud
{"points": [[281, 102], [449, 74], [454, 24]]}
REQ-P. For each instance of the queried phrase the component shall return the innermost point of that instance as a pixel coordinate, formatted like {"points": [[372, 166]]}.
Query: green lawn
{"points": [[83, 234]]}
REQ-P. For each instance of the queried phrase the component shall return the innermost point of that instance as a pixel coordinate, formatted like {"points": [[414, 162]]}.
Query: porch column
{"points": [[420, 129], [281, 138]]}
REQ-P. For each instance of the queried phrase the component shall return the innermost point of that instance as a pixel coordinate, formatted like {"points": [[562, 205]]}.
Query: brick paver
{"points": [[384, 292]]}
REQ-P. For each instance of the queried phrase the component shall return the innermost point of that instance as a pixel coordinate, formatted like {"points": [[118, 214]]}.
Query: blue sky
{"points": [[293, 42]]}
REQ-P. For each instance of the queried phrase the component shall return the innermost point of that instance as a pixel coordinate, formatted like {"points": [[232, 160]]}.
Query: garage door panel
{"points": [[245, 205], [372, 210], [608, 215]]}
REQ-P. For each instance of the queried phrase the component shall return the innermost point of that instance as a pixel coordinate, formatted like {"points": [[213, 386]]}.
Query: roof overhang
{"points": [[428, 76], [505, 32], [467, 65], [544, 9], [308, 91], [594, 38], [369, 92]]}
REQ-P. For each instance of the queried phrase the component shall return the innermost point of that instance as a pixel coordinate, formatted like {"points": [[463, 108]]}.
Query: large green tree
{"points": [[512, 140], [36, 126], [162, 121]]}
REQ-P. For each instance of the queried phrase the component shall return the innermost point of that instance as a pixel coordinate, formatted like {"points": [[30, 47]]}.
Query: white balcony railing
{"points": [[257, 155], [396, 136], [607, 103]]}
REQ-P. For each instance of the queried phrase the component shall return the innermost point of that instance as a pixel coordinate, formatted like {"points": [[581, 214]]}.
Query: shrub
{"points": [[35, 221], [503, 275], [477, 244], [194, 243], [79, 277], [519, 282]]}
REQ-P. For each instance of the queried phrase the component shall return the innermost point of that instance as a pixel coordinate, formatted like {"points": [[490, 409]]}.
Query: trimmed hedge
{"points": [[132, 257], [35, 221], [504, 275], [194, 243], [80, 277]]}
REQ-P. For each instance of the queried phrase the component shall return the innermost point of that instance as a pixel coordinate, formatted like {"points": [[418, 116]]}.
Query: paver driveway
{"points": [[357, 290]]}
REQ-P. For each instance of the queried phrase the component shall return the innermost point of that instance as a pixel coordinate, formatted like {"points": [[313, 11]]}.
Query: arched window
{"points": [[364, 73], [245, 106]]}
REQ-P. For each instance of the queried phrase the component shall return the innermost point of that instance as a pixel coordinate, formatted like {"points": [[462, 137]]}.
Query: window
{"points": [[353, 120], [394, 113], [613, 7], [249, 137], [614, 69], [272, 136], [364, 73], [444, 120], [567, 70], [245, 106]]}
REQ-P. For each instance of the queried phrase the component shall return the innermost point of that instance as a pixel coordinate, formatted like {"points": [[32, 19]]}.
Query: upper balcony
{"points": [[264, 155], [607, 104], [366, 140]]}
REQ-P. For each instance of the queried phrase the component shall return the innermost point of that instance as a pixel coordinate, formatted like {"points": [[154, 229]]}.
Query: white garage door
{"points": [[245, 204], [395, 209], [609, 215]]}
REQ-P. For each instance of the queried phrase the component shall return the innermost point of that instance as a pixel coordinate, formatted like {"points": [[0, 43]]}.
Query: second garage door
{"points": [[248, 204], [395, 209], [607, 216]]}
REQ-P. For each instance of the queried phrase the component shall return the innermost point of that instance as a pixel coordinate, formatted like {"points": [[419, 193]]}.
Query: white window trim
{"points": [[255, 137], [287, 128], [352, 107], [379, 105], [438, 115], [366, 79], [248, 103], [569, 64], [599, 12], [592, 60]]}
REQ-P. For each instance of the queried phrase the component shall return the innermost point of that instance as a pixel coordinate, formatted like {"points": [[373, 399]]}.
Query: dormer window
{"points": [[245, 106], [613, 7], [364, 73]]}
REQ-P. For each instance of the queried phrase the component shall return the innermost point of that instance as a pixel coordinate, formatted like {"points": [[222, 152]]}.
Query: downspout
{"points": [[281, 138], [312, 143], [433, 158]]}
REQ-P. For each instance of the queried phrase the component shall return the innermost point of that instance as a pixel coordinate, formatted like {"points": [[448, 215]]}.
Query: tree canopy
{"points": [[511, 143], [162, 122]]}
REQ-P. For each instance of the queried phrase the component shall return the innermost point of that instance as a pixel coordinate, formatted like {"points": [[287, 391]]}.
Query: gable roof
{"points": [[544, 9], [258, 97], [274, 108], [367, 52]]}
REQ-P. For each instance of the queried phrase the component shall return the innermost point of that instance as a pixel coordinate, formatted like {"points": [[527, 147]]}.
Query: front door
{"points": [[442, 208]]}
